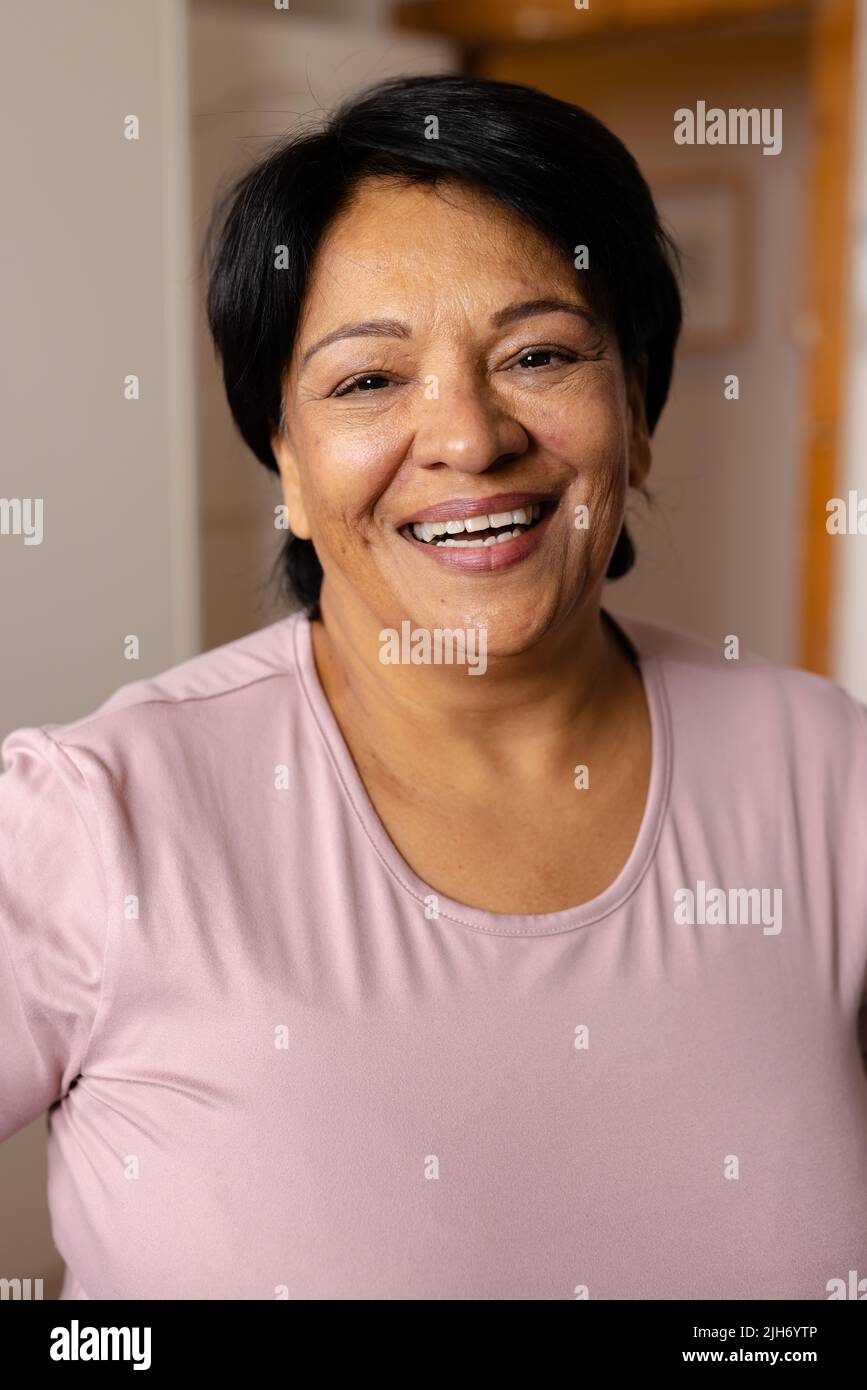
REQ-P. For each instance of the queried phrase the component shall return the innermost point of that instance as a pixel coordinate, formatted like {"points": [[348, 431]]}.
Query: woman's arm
{"points": [[52, 925]]}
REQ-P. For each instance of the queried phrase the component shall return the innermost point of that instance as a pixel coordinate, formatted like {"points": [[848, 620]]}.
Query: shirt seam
{"points": [[74, 726], [98, 849]]}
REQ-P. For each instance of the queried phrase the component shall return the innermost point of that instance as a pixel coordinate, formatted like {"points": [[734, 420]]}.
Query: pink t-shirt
{"points": [[281, 1065]]}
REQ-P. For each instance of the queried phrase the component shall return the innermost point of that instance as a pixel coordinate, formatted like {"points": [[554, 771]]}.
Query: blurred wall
{"points": [[92, 259]]}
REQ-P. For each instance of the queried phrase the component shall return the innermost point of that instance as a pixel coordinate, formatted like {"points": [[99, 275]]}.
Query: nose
{"points": [[467, 430]]}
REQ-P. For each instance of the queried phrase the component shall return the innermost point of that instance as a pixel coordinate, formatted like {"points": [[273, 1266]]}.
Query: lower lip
{"points": [[485, 559]]}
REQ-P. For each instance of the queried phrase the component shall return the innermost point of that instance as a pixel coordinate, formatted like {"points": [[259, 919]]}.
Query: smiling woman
{"points": [[500, 149], [466, 388], [378, 978]]}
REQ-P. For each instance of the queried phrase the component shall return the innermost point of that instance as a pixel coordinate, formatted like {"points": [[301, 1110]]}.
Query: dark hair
{"points": [[554, 164]]}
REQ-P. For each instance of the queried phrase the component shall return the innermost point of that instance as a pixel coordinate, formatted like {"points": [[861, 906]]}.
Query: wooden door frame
{"points": [[480, 24]]}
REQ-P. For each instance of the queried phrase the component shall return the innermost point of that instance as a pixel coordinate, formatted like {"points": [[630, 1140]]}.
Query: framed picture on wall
{"points": [[708, 214]]}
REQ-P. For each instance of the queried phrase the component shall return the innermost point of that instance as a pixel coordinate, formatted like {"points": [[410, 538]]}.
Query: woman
{"points": [[449, 938]]}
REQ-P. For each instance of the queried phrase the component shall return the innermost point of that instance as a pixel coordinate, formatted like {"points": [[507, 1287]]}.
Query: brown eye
{"points": [[362, 383], [542, 357]]}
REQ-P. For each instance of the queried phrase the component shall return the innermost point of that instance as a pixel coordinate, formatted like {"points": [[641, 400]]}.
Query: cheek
{"points": [[344, 471], [588, 434], [594, 455]]}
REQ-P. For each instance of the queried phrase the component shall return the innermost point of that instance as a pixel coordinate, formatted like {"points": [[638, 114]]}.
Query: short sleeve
{"points": [[52, 924]]}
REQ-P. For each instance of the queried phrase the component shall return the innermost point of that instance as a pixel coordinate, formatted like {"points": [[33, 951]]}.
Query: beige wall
{"points": [[91, 240]]}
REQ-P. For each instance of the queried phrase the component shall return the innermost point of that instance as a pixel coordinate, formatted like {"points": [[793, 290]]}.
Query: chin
{"points": [[509, 629]]}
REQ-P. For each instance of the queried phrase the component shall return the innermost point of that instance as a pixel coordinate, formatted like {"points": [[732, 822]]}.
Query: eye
{"points": [[542, 356], [362, 383]]}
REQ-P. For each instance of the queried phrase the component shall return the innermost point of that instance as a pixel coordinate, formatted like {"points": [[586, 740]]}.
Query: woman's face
{"points": [[447, 369]]}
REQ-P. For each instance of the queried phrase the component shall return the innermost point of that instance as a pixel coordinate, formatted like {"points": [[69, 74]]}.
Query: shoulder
{"points": [[762, 703], [229, 684], [223, 671]]}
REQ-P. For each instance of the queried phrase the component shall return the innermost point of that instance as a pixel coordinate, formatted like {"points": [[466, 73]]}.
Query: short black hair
{"points": [[552, 163]]}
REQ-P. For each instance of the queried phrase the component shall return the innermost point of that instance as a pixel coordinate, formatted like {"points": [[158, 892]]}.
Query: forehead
{"points": [[417, 241]]}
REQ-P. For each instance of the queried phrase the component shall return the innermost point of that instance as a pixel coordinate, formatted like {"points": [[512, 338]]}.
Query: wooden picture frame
{"points": [[711, 217]]}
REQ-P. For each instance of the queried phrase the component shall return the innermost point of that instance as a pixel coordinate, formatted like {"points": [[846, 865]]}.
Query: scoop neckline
{"points": [[479, 919]]}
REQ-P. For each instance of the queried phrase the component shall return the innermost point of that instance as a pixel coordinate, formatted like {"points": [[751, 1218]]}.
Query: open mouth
{"points": [[474, 532]]}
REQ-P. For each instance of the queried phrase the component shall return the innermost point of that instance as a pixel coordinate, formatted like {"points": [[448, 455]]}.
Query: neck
{"points": [[527, 714]]}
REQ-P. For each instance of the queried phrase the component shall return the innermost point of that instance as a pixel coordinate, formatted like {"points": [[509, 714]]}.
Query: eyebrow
{"points": [[528, 307], [367, 328], [394, 328]]}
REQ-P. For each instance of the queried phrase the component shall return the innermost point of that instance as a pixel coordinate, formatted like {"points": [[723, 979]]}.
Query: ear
{"points": [[639, 434], [287, 462]]}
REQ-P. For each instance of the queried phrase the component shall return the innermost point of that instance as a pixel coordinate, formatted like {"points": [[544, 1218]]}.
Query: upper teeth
{"points": [[521, 516]]}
